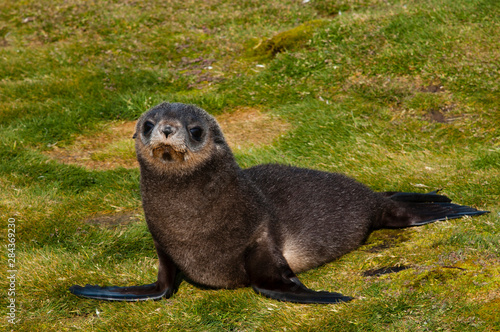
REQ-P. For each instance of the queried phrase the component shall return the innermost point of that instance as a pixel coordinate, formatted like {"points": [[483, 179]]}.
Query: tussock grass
{"points": [[399, 95]]}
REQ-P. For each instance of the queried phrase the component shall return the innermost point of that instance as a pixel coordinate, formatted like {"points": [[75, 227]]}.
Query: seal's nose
{"points": [[167, 130]]}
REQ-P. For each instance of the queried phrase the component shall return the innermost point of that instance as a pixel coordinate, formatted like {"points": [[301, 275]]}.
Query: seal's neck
{"points": [[208, 180]]}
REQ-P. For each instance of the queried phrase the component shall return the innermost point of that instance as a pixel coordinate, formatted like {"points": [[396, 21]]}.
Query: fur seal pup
{"points": [[225, 227]]}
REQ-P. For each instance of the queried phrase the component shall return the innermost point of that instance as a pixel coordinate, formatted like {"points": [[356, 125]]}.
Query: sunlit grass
{"points": [[399, 95]]}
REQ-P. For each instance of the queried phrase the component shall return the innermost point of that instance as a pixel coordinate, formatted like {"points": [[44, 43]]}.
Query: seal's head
{"points": [[177, 138]]}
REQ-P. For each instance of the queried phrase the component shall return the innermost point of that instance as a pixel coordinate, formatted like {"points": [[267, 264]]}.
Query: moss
{"points": [[331, 7], [435, 276], [386, 238], [489, 312], [288, 40]]}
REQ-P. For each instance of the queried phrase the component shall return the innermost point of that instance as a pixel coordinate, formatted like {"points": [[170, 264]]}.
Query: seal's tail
{"points": [[420, 209]]}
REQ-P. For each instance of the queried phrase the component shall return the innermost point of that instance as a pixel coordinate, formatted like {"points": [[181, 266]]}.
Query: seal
{"points": [[221, 226]]}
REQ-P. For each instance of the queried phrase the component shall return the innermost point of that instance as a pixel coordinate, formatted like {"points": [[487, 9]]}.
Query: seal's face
{"points": [[177, 138]]}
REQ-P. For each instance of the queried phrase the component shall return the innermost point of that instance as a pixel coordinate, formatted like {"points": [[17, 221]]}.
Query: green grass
{"points": [[401, 95]]}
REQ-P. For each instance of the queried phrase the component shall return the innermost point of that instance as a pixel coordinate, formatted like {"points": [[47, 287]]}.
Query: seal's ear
{"points": [[135, 136]]}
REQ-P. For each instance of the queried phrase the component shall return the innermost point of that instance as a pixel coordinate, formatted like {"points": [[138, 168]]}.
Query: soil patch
{"points": [[439, 115], [433, 88]]}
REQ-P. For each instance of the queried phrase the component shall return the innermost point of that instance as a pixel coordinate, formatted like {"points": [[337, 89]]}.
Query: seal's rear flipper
{"points": [[432, 196], [296, 292], [115, 293], [426, 213], [419, 209]]}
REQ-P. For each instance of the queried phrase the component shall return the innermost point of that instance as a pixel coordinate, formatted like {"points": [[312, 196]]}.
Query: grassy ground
{"points": [[401, 95]]}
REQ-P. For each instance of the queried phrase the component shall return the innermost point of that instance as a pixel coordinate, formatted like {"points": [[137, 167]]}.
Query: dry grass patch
{"points": [[114, 147], [247, 127], [120, 218]]}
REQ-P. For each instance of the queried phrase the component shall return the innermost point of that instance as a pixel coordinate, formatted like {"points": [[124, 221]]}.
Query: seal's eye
{"points": [[148, 127], [196, 133]]}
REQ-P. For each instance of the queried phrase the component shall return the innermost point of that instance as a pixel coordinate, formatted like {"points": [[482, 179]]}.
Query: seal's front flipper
{"points": [[271, 276], [115, 293], [165, 286], [292, 290]]}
